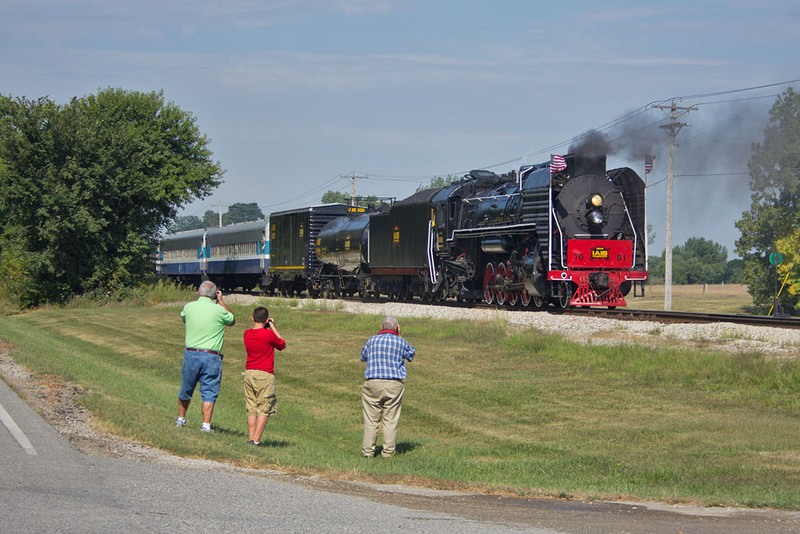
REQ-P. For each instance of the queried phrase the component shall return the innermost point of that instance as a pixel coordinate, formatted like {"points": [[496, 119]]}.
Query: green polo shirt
{"points": [[205, 324]]}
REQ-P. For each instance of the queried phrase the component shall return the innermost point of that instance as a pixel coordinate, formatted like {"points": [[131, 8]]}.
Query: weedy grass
{"points": [[487, 408], [732, 299]]}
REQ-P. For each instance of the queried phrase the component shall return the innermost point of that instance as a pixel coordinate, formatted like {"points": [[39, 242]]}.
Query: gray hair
{"points": [[208, 289], [389, 323]]}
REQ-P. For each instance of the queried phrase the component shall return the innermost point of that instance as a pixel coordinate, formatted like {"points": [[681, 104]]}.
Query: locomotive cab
{"points": [[445, 215]]}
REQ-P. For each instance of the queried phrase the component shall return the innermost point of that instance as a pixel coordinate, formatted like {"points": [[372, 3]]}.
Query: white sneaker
{"points": [[206, 430], [178, 422]]}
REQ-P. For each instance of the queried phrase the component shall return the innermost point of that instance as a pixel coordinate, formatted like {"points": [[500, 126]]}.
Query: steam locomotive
{"points": [[572, 235]]}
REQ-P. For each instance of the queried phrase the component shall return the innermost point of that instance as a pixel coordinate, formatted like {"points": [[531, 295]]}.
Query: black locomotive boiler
{"points": [[572, 237]]}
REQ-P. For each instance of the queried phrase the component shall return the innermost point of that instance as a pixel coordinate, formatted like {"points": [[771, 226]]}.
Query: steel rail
{"points": [[623, 314]]}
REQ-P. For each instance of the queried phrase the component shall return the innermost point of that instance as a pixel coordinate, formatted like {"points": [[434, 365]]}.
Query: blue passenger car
{"points": [[232, 256]]}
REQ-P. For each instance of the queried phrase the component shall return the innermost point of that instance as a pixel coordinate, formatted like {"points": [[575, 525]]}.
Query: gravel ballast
{"points": [[778, 342]]}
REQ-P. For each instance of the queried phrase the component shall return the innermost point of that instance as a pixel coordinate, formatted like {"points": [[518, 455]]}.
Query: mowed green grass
{"points": [[487, 408]]}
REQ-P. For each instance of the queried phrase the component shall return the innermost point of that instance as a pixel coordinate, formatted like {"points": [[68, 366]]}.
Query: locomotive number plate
{"points": [[597, 253]]}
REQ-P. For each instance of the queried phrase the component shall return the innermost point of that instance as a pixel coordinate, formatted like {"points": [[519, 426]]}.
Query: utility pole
{"points": [[353, 179], [220, 213], [671, 130]]}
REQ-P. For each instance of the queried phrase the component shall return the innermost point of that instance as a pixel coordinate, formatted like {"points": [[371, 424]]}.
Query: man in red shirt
{"points": [[260, 343]]}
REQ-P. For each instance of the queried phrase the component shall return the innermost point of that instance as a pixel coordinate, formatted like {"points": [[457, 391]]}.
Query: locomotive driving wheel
{"points": [[515, 295], [564, 295], [488, 283], [406, 294], [537, 302], [524, 297], [500, 276]]}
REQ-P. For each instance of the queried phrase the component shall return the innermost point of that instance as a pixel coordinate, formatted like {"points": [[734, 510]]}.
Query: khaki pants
{"points": [[259, 392], [381, 398]]}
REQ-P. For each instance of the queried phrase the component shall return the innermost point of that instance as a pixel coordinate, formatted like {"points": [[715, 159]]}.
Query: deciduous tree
{"points": [[86, 186], [773, 221], [185, 222], [242, 212], [437, 182], [335, 197]]}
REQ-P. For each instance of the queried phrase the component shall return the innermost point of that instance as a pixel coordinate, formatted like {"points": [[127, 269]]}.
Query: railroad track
{"points": [[660, 316], [687, 317]]}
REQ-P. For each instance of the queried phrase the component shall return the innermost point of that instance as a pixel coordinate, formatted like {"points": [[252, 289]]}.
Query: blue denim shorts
{"points": [[202, 368]]}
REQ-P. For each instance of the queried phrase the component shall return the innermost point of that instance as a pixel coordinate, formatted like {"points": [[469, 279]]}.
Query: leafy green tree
{"points": [[242, 212], [211, 219], [773, 217], [437, 182], [733, 271], [86, 186], [335, 197], [651, 234], [699, 261], [185, 222], [655, 264]]}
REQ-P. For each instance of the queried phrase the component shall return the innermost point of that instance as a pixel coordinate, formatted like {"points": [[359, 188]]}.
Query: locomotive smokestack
{"points": [[591, 144]]}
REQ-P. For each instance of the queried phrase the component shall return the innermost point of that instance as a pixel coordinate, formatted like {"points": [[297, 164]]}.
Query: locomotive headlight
{"points": [[597, 200], [595, 218]]}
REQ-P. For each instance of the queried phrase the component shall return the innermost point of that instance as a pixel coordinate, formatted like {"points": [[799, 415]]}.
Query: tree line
{"points": [[698, 261], [237, 213]]}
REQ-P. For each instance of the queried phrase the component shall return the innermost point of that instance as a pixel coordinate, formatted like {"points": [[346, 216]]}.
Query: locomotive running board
{"points": [[490, 230]]}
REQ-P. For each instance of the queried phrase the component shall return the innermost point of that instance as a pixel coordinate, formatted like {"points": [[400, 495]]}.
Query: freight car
{"points": [[294, 267], [571, 235]]}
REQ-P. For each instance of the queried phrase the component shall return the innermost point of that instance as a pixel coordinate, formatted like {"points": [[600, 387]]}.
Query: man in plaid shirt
{"points": [[382, 394]]}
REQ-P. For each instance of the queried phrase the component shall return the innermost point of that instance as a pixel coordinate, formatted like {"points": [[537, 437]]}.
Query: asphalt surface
{"points": [[47, 485]]}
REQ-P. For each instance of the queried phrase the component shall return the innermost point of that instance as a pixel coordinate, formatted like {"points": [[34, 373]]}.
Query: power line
{"points": [[719, 93], [774, 95], [631, 115], [713, 174]]}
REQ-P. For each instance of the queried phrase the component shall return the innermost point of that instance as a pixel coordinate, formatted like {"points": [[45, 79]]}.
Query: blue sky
{"points": [[296, 94]]}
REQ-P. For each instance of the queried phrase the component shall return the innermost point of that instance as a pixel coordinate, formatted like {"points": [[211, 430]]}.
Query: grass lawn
{"points": [[730, 299], [486, 408]]}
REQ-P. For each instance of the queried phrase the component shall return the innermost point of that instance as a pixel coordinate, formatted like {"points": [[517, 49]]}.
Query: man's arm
{"points": [[409, 352], [225, 307]]}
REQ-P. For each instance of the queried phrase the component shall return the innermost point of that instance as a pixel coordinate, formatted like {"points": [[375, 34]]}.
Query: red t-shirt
{"points": [[260, 344]]}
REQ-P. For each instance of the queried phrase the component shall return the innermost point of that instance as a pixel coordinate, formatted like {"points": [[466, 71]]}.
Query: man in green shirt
{"points": [[206, 319]]}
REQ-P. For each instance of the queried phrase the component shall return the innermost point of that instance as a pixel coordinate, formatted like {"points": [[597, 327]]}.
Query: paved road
{"points": [[48, 486]]}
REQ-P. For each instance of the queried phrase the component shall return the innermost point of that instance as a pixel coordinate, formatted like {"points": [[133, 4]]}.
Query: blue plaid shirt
{"points": [[385, 354]]}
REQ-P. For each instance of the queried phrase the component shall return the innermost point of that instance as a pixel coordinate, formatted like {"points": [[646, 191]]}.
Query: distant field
{"points": [[714, 298]]}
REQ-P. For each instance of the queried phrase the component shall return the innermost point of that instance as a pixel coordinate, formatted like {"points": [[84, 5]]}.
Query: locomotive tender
{"points": [[294, 265], [572, 236]]}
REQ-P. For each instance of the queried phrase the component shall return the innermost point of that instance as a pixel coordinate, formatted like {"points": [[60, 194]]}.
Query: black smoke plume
{"points": [[592, 143]]}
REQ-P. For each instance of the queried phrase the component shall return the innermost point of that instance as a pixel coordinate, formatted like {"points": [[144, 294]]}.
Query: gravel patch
{"points": [[773, 342], [777, 342]]}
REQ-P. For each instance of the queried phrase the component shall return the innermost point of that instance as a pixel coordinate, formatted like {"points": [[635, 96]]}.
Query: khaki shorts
{"points": [[259, 392]]}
